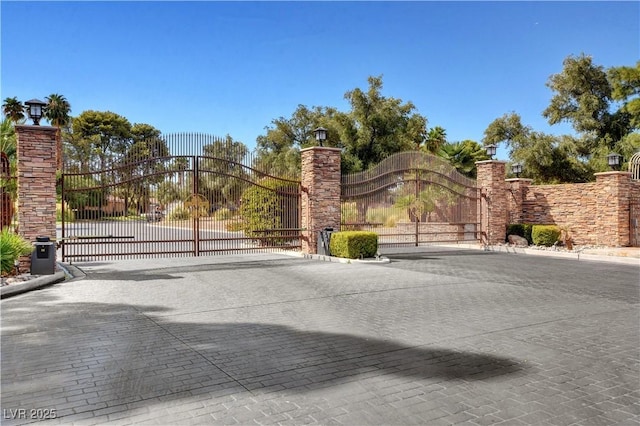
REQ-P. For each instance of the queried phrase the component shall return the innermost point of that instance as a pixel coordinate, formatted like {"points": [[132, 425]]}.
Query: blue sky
{"points": [[232, 67]]}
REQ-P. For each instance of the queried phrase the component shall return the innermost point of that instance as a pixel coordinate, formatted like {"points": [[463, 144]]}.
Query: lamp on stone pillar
{"points": [[321, 135], [517, 169], [34, 108], [614, 160], [491, 150]]}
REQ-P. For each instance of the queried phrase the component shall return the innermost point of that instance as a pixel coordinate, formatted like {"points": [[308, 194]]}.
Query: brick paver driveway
{"points": [[442, 337]]}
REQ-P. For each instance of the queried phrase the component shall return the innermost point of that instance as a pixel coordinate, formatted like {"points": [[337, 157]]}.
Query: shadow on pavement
{"points": [[122, 353]]}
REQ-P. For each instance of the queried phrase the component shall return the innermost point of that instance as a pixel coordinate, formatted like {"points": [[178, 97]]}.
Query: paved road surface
{"points": [[443, 337]]}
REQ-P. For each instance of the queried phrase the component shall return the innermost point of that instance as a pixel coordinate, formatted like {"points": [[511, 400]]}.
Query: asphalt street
{"points": [[437, 337]]}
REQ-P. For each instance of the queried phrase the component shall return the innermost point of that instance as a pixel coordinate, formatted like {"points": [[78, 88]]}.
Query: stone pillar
{"points": [[493, 201], [516, 193], [612, 217], [36, 184], [320, 203]]}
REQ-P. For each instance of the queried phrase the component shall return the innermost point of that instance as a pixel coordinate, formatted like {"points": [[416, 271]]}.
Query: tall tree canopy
{"points": [[602, 106], [279, 149], [375, 127], [625, 84], [57, 112], [108, 133], [379, 126]]}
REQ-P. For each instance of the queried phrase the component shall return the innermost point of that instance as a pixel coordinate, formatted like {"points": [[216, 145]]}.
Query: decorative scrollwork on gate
{"points": [[197, 205]]}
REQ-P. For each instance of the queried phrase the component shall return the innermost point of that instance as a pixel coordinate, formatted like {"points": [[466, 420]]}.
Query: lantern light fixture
{"points": [[491, 150], [517, 169], [321, 135], [35, 109], [614, 160]]}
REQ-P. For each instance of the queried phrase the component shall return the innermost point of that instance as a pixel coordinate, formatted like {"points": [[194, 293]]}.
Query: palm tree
{"points": [[463, 156], [57, 112], [436, 138], [13, 109], [8, 187]]}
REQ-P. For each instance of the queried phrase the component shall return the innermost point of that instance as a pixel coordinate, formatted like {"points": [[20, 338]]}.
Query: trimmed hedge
{"points": [[354, 244], [545, 235]]}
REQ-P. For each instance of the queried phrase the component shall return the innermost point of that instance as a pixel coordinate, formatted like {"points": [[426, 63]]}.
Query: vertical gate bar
{"points": [[418, 214], [62, 234], [196, 218]]}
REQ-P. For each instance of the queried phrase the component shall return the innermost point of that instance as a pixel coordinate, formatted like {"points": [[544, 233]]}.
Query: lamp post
{"points": [[34, 108], [321, 135], [614, 160], [491, 150], [517, 169]]}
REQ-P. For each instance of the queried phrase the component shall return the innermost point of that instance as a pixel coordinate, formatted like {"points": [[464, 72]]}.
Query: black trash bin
{"points": [[324, 237], [43, 258]]}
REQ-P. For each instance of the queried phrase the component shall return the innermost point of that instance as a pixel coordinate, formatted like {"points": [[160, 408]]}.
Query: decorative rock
{"points": [[518, 241]]}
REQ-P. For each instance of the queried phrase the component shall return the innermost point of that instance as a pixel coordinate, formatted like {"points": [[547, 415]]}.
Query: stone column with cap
{"points": [[36, 184], [493, 202], [320, 200]]}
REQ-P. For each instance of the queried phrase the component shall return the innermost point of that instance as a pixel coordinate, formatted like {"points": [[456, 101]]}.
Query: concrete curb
{"points": [[334, 259], [66, 273], [565, 255], [36, 283]]}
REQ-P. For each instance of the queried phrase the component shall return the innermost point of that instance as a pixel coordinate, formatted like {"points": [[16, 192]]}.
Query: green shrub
{"points": [[515, 229], [545, 235], [271, 205], [528, 228], [354, 244], [234, 226], [69, 216], [223, 214], [179, 213], [12, 246], [520, 229]]}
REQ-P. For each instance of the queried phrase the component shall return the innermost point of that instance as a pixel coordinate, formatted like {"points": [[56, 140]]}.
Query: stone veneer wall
{"points": [[320, 200], [595, 213], [36, 184], [570, 205]]}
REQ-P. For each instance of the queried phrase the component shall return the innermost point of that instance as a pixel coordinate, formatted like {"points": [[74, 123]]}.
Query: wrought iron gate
{"points": [[151, 205], [412, 198]]}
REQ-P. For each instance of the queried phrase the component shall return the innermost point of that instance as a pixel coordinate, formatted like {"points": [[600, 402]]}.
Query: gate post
{"points": [[36, 184], [612, 219], [493, 201], [518, 190], [320, 199]]}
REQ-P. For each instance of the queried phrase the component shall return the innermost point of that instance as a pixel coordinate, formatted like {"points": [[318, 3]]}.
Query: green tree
{"points": [[8, 142], [545, 158], [8, 145], [57, 112], [375, 127], [436, 139], [143, 165], [109, 133], [223, 175], [463, 156], [378, 126], [585, 96], [625, 84], [279, 149], [13, 109]]}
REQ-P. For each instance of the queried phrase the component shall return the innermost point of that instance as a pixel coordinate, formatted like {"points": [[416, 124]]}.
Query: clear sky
{"points": [[232, 67]]}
